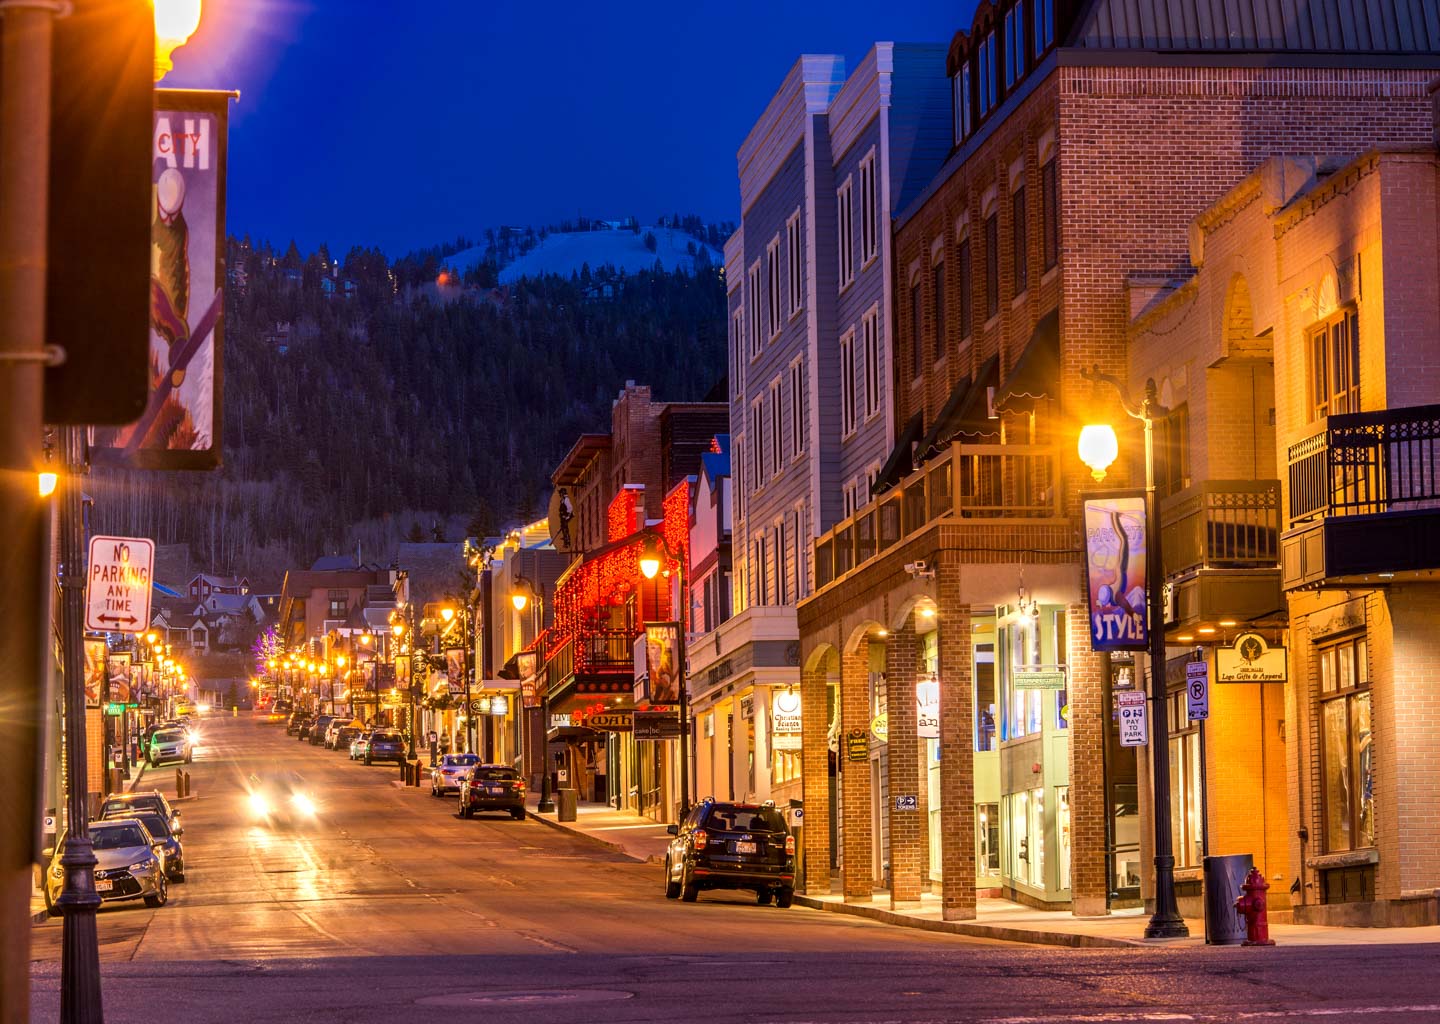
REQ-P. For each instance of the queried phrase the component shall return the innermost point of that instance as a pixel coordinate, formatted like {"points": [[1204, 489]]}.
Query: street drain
{"points": [[573, 995]]}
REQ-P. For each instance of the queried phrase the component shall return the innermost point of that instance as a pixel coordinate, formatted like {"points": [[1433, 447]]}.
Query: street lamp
{"points": [[519, 600], [175, 22], [1098, 449], [650, 559], [448, 615]]}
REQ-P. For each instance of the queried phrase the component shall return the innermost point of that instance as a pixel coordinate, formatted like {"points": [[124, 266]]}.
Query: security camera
{"points": [[919, 569]]}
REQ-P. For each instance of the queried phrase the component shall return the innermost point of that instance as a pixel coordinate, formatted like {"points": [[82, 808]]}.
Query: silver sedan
{"points": [[130, 865], [445, 777]]}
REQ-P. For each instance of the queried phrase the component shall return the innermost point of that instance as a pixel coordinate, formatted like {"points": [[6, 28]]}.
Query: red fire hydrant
{"points": [[1252, 907]]}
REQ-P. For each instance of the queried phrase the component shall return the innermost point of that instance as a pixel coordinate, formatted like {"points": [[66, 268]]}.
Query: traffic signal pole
{"points": [[26, 36]]}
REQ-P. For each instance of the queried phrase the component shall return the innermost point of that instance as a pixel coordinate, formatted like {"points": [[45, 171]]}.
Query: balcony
{"points": [[595, 662], [984, 483], [1364, 499], [1221, 543]]}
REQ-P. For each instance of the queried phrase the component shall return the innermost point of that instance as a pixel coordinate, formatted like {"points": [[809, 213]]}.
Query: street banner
{"points": [[527, 666], [117, 670], [927, 707], [180, 427], [402, 672], [1250, 660], [94, 672], [662, 661], [1115, 565], [455, 668]]}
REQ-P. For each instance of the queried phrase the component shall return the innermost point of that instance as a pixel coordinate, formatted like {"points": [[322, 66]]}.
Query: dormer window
{"points": [[1044, 24], [986, 67], [1014, 46], [961, 84]]}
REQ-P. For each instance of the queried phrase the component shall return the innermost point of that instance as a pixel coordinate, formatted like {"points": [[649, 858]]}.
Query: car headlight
{"points": [[144, 865], [303, 803], [258, 804]]}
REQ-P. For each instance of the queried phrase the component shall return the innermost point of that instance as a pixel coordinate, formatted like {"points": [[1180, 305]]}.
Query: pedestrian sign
{"points": [[1197, 690], [1131, 707], [117, 586]]}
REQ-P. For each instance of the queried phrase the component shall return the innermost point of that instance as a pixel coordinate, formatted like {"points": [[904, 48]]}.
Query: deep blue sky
{"points": [[403, 123]]}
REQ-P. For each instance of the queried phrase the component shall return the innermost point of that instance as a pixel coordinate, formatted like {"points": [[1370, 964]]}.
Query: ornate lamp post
{"points": [[1098, 448], [448, 614], [650, 564], [519, 599]]}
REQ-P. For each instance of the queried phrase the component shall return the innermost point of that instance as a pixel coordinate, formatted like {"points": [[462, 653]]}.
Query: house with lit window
{"points": [[949, 610]]}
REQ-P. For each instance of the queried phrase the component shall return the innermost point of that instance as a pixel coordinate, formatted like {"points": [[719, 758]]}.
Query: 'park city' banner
{"points": [[1115, 565], [180, 428]]}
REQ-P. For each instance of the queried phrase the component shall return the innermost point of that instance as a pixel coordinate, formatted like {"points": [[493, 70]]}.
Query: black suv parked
{"points": [[731, 846]]}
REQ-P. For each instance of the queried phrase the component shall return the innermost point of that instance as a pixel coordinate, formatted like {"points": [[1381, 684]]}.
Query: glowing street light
{"points": [[1098, 448], [175, 22]]}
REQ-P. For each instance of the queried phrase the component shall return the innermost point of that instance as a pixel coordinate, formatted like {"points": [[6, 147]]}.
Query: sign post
{"points": [[117, 592]]}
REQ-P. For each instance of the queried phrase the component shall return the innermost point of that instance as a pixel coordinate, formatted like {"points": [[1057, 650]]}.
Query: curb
{"points": [[560, 827], [1033, 936], [39, 916]]}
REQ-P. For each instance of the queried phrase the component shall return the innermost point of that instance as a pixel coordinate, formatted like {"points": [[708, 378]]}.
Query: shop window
{"points": [[1062, 661], [1334, 351], [984, 697], [1027, 837], [1062, 830], [1022, 707], [987, 839], [1185, 806], [1348, 756]]}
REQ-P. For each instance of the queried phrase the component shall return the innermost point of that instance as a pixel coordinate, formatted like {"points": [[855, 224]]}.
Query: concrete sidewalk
{"points": [[628, 833], [1001, 919]]}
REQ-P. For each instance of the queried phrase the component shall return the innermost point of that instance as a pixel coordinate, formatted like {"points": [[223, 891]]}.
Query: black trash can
{"points": [[1224, 877], [568, 799]]}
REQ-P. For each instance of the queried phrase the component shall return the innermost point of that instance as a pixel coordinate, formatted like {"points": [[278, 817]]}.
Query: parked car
{"points": [[283, 705], [723, 845], [169, 745], [385, 745], [297, 721], [315, 731], [121, 804], [346, 735], [358, 745], [492, 787], [169, 836], [445, 777], [130, 864], [279, 798], [336, 724]]}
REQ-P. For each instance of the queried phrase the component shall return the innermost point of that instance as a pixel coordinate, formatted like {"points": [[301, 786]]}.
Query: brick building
{"points": [[1086, 141]]}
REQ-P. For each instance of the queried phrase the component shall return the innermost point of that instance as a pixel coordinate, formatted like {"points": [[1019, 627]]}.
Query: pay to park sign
{"points": [[117, 586]]}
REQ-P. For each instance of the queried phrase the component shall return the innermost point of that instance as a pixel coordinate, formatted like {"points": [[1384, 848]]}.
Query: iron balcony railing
{"points": [[1221, 524], [606, 650], [1367, 463], [970, 481]]}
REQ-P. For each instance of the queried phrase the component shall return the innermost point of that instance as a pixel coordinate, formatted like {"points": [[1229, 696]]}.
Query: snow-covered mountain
{"points": [[625, 250]]}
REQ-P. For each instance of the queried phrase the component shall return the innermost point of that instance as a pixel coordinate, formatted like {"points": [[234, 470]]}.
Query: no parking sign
{"points": [[1197, 690]]}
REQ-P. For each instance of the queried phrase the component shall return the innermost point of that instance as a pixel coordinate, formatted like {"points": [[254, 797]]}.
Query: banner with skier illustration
{"points": [[1115, 564], [180, 428]]}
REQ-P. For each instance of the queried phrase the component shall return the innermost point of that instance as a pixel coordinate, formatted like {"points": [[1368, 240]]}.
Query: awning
{"points": [[965, 412], [1036, 374], [900, 464]]}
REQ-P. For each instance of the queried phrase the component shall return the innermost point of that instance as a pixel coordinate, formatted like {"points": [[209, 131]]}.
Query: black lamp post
{"points": [[650, 564], [1166, 922], [520, 599]]}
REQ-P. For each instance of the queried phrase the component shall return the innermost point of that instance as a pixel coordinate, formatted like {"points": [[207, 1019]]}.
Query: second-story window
{"points": [[737, 343], [1017, 240], [967, 288], [339, 604], [937, 276], [917, 312], [795, 254], [869, 210], [1014, 46], [1050, 213], [961, 97], [797, 406], [1335, 365], [845, 230], [1043, 24], [847, 384], [1172, 445], [757, 445], [777, 433], [870, 335], [772, 285], [985, 66], [752, 300], [992, 265]]}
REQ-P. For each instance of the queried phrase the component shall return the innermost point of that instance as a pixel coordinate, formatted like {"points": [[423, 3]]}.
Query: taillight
{"points": [[790, 845], [699, 838], [519, 787]]}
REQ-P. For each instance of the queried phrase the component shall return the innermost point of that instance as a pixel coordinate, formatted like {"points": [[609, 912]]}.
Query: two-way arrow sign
{"points": [[117, 584]]}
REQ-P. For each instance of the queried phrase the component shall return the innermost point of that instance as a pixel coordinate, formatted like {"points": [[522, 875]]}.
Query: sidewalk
{"points": [[1001, 919], [628, 833]]}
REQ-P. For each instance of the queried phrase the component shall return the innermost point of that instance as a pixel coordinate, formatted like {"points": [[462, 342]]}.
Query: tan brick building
{"points": [[1316, 306], [1084, 149]]}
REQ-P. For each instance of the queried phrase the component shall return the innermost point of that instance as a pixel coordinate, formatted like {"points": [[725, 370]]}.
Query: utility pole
{"points": [[26, 37]]}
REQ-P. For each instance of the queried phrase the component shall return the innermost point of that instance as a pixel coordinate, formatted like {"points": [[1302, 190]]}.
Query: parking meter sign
{"points": [[1131, 710], [1197, 690]]}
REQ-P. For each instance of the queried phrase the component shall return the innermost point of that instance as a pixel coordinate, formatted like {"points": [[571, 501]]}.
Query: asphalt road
{"points": [[388, 907]]}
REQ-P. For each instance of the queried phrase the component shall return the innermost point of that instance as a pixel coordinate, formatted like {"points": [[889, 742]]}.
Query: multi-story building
{"points": [[1304, 351], [948, 613], [809, 272]]}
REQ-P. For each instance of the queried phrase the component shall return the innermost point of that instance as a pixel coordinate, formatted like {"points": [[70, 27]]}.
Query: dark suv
{"points": [[492, 787], [297, 721], [385, 745], [731, 846]]}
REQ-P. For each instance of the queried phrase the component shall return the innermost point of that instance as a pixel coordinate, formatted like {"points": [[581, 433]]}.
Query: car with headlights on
{"points": [[169, 745], [725, 845], [120, 804], [168, 836], [130, 864], [445, 777], [316, 731], [279, 798], [492, 787]]}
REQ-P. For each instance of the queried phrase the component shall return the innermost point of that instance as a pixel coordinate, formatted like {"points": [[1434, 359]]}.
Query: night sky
{"points": [[403, 124]]}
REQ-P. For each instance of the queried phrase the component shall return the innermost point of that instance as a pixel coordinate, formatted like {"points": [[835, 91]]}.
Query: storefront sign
{"points": [[662, 661], [927, 708], [747, 706], [785, 712], [857, 745], [1197, 690], [559, 721], [1251, 660], [1029, 680], [880, 727], [656, 725], [612, 721], [499, 705], [1115, 557], [115, 709], [1131, 708]]}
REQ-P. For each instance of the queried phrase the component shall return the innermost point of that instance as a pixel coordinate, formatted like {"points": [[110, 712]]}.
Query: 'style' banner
{"points": [[1115, 565]]}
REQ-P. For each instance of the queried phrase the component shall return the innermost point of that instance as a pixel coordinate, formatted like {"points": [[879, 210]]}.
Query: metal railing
{"points": [[606, 650], [970, 481], [1367, 463], [1222, 524]]}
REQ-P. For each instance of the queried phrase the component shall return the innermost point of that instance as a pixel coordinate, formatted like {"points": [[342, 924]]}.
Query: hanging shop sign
{"points": [[180, 427], [927, 707], [656, 725], [1250, 660], [857, 745], [1130, 705], [1115, 566], [880, 727], [1037, 679], [498, 705], [785, 720], [117, 584]]}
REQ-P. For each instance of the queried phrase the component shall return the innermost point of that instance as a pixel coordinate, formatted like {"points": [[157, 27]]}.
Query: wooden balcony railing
{"points": [[1367, 463], [606, 650], [1222, 524], [970, 481]]}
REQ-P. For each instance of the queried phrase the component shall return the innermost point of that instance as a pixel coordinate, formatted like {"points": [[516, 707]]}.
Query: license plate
{"points": [[103, 885], [743, 847], [494, 790]]}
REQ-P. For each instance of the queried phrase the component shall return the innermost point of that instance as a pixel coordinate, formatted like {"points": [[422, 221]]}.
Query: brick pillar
{"points": [[1089, 883], [957, 747], [907, 828], [815, 776], [856, 845]]}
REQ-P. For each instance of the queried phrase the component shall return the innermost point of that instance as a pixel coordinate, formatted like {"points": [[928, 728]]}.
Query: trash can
{"points": [[566, 800], [1223, 878]]}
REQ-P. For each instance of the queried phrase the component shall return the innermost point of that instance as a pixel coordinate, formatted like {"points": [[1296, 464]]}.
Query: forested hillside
{"points": [[362, 401]]}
